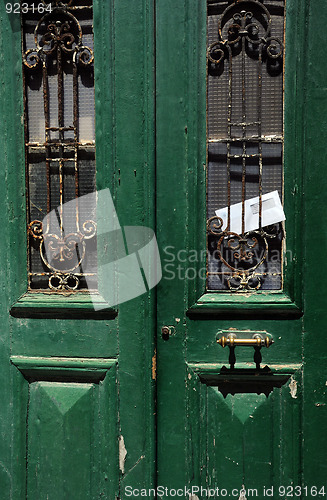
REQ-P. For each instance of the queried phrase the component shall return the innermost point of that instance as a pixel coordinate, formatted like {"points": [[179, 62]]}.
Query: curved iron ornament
{"points": [[241, 249], [56, 34], [237, 22], [59, 3], [52, 34], [62, 254]]}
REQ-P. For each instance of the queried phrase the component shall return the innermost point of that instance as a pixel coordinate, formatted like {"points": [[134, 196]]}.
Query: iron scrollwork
{"points": [[58, 30], [243, 254], [244, 27], [62, 254], [58, 35], [238, 21]]}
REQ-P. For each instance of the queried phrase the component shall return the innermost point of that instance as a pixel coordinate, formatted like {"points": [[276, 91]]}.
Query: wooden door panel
{"points": [[59, 395], [64, 408], [59, 425], [280, 443], [249, 439]]}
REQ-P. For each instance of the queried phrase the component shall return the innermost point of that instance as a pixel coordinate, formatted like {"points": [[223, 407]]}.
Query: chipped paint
{"points": [[177, 320], [293, 388], [136, 463], [193, 497], [154, 365], [231, 460], [122, 454]]}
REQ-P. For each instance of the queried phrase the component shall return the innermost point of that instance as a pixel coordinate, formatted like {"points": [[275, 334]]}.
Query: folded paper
{"points": [[271, 213]]}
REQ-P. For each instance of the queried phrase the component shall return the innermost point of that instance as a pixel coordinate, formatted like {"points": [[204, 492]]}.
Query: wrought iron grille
{"points": [[60, 144], [245, 140]]}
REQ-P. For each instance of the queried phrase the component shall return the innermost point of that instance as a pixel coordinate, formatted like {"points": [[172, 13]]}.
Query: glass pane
{"points": [[60, 144], [245, 144]]}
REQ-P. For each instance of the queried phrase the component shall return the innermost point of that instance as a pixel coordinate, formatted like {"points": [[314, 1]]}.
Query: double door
{"points": [[111, 402]]}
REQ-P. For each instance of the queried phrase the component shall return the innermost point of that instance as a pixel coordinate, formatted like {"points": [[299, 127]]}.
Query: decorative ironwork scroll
{"points": [[60, 154], [245, 106], [245, 22]]}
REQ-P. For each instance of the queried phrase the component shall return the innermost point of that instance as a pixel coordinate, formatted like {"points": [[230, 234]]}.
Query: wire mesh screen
{"points": [[245, 144], [60, 144]]}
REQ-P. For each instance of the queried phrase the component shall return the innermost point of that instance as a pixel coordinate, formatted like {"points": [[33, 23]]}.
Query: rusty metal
{"points": [[243, 25], [58, 37], [66, 4]]}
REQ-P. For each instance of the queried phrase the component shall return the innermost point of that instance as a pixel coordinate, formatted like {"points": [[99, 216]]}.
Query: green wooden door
{"points": [[216, 426], [78, 384], [77, 400]]}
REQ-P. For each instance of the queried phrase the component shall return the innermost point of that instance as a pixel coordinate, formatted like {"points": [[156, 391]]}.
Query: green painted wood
{"points": [[236, 441], [189, 420], [59, 448], [60, 339], [176, 46], [59, 415], [47, 305], [11, 143], [81, 369], [213, 369], [134, 183], [315, 374], [56, 344], [263, 304], [87, 364]]}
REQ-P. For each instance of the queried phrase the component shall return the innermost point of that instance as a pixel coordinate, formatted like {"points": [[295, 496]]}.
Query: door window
{"points": [[245, 145], [60, 145]]}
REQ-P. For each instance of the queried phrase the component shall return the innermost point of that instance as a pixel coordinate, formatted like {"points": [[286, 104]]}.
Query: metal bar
{"points": [[254, 155], [263, 140], [233, 273], [260, 132], [46, 102], [52, 160], [26, 135], [61, 195], [243, 124], [81, 7], [61, 134], [229, 130], [256, 341], [243, 131], [60, 129], [76, 135], [47, 134], [60, 93], [67, 144], [50, 274]]}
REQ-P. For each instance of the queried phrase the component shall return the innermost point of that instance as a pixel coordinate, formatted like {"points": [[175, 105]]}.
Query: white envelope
{"points": [[272, 212]]}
